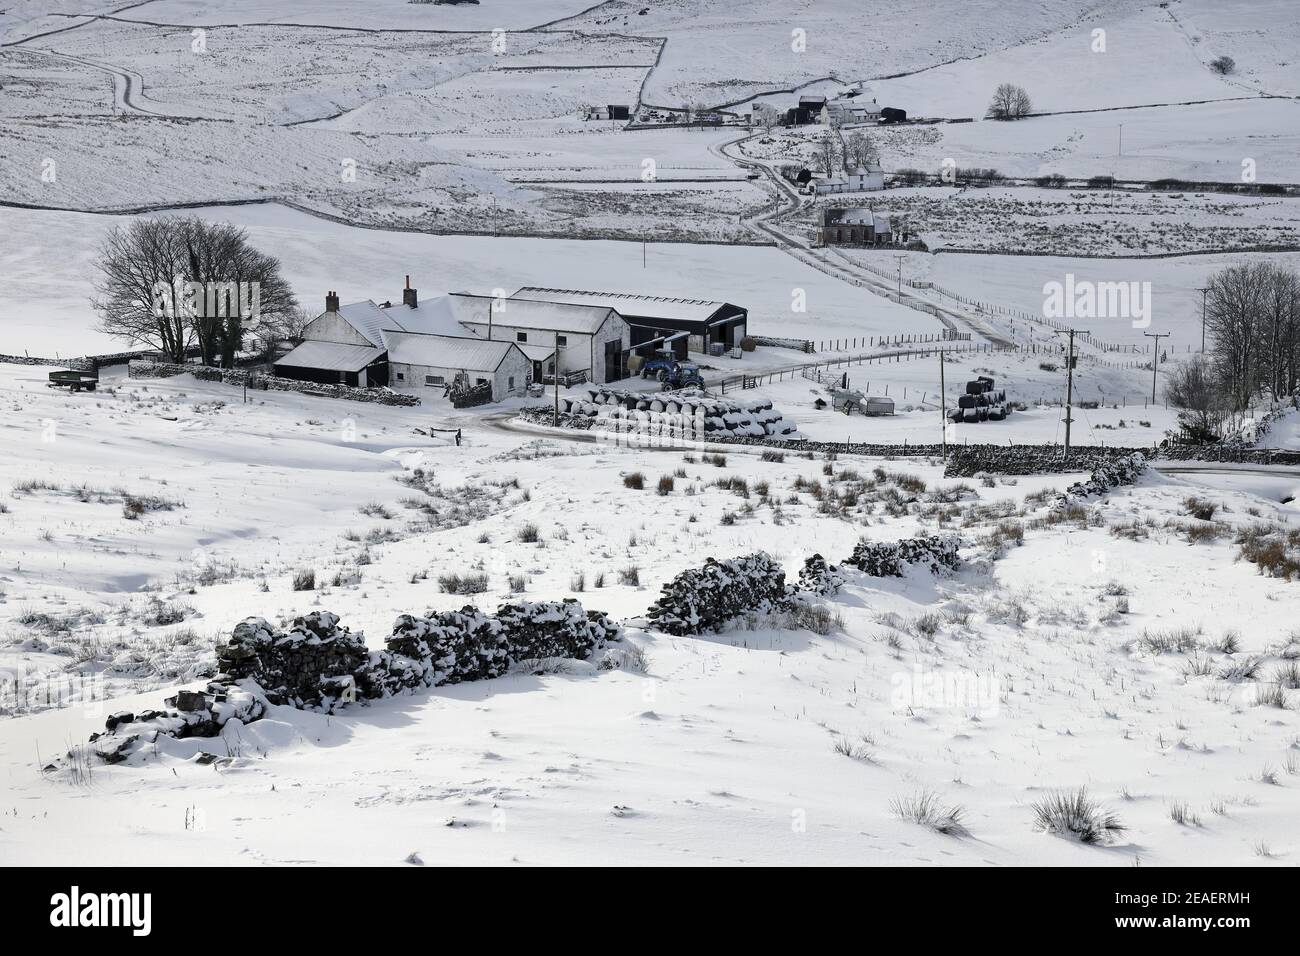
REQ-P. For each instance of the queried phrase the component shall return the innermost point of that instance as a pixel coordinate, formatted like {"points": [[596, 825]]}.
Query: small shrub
{"points": [[635, 481], [518, 584], [1074, 813], [666, 485], [775, 456], [630, 575], [529, 533], [473, 583], [924, 808]]}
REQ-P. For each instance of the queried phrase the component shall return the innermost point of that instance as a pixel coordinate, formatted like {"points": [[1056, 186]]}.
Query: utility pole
{"points": [[1204, 291], [1155, 358], [1069, 383], [943, 407], [557, 380], [900, 276]]}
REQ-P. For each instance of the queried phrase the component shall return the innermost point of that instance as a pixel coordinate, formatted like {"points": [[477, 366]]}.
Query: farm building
{"points": [[862, 179], [854, 227], [613, 112], [892, 115], [592, 338], [344, 345], [684, 325], [809, 110], [850, 109], [419, 360]]}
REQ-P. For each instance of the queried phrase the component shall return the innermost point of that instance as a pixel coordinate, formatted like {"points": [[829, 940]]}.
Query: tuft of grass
{"points": [[475, 582], [666, 485], [776, 456], [304, 579], [635, 481], [529, 533], [925, 808], [1073, 813], [630, 575]]}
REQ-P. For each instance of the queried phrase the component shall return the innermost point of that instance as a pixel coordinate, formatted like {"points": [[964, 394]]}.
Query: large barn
{"points": [[694, 325], [591, 339]]}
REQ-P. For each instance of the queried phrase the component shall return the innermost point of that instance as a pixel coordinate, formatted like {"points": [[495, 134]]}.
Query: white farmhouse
{"points": [[862, 179]]}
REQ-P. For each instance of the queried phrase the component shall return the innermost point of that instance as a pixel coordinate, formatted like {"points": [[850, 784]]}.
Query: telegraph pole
{"points": [[557, 380], [1204, 291], [900, 276], [1155, 358], [943, 407], [1069, 383]]}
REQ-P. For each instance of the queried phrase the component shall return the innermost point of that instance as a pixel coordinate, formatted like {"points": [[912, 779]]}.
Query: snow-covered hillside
{"points": [[1115, 628]]}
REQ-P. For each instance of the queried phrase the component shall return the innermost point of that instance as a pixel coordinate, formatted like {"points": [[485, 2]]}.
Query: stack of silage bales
{"points": [[981, 403], [686, 415]]}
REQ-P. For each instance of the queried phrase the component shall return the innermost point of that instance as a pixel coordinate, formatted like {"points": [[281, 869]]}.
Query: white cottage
{"points": [[418, 360]]}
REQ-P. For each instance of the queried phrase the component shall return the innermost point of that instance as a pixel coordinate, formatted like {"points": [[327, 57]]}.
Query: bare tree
{"points": [[1195, 389], [860, 149], [134, 259], [1010, 102], [827, 155], [173, 282]]}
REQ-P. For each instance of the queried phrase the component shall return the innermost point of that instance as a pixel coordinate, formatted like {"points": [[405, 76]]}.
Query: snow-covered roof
{"points": [[531, 312], [370, 320], [331, 356], [537, 353], [855, 217], [627, 303], [447, 351]]}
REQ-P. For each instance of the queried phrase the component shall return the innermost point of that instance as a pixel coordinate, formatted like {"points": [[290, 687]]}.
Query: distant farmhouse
{"points": [[862, 179], [505, 343], [851, 108], [855, 227]]}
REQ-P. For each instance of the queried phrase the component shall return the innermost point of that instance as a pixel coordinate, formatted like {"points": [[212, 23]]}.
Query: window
{"points": [[521, 336], [561, 341], [510, 383], [433, 380], [480, 381], [401, 376]]}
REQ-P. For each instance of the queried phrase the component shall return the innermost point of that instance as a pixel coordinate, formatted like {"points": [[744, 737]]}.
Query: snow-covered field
{"points": [[1123, 642]]}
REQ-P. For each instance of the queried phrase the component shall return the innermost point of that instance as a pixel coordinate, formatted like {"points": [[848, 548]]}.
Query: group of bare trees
{"points": [[1252, 311], [834, 150], [1010, 102], [1252, 316], [174, 283]]}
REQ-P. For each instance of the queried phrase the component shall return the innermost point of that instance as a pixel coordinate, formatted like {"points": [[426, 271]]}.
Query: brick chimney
{"points": [[331, 301], [410, 296]]}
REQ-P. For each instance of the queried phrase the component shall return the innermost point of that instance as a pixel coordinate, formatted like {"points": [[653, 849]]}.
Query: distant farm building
{"points": [[683, 325], [848, 109], [891, 115], [809, 110], [862, 179], [855, 227], [609, 112]]}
